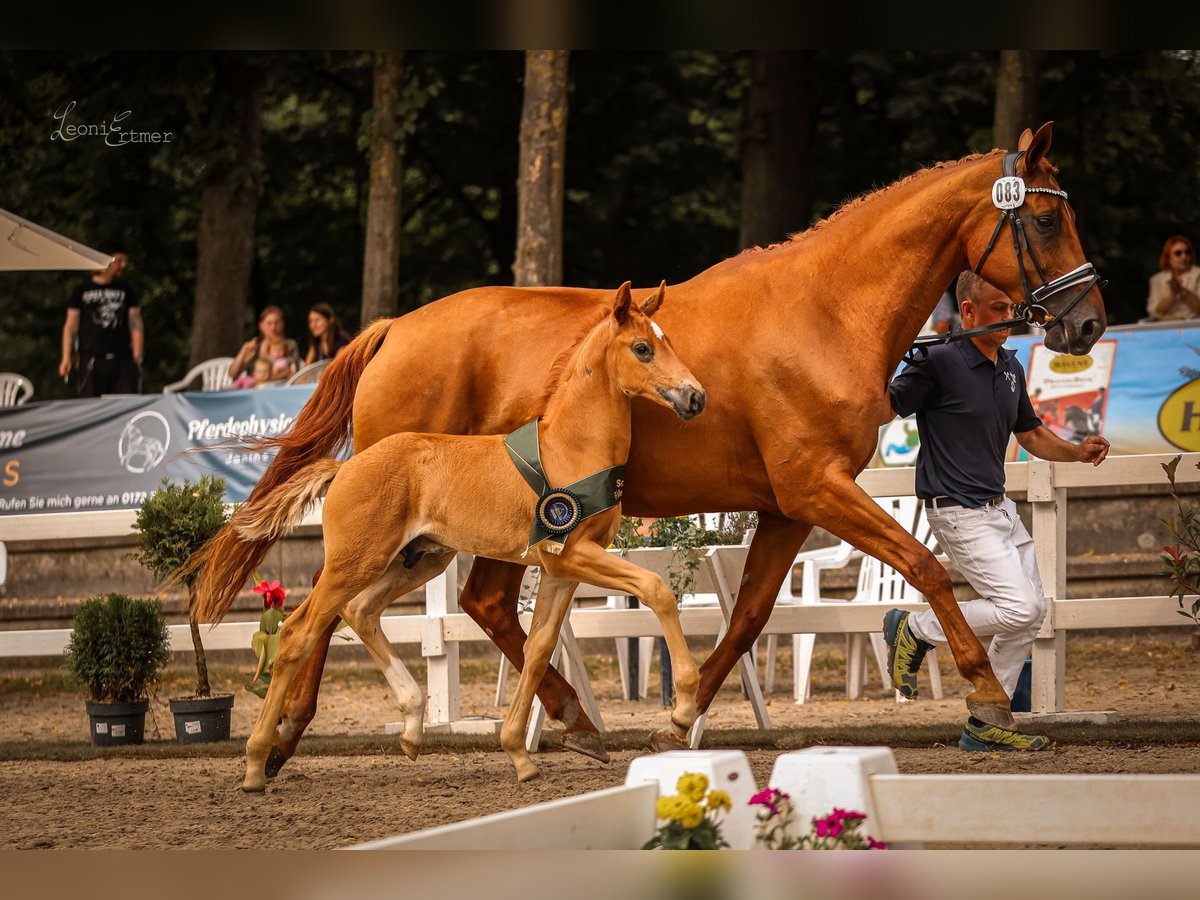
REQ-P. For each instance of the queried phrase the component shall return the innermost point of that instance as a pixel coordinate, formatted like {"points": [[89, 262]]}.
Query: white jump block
{"points": [[465, 725], [819, 779], [727, 770]]}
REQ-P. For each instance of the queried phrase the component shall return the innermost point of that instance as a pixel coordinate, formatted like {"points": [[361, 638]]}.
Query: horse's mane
{"points": [[558, 368], [853, 203]]}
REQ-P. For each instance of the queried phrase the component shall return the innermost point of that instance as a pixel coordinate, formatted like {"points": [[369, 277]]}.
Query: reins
{"points": [[1008, 195]]}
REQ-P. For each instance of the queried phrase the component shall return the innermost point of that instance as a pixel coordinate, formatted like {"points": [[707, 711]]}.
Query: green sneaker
{"points": [[985, 737], [906, 652]]}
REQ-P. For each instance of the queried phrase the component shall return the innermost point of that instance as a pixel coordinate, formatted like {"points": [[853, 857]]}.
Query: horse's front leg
{"points": [[489, 597], [301, 704], [772, 551], [840, 505]]}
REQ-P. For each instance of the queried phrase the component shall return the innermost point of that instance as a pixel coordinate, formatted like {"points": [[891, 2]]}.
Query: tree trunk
{"points": [[202, 686], [228, 209], [1016, 96], [539, 259], [776, 135], [381, 254]]}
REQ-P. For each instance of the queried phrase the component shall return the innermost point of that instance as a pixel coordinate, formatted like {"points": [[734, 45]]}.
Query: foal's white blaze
{"points": [[658, 332]]}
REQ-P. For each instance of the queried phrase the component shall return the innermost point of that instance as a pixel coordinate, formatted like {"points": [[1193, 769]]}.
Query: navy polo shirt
{"points": [[967, 408]]}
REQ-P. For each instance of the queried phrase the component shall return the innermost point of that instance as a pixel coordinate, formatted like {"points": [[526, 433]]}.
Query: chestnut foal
{"points": [[396, 513]]}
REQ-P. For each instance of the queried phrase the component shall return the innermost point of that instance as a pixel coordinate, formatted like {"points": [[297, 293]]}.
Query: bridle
{"points": [[1008, 195]]}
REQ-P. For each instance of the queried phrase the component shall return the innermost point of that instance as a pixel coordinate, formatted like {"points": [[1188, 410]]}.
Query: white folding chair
{"points": [[877, 583], [213, 375], [14, 389], [310, 374]]}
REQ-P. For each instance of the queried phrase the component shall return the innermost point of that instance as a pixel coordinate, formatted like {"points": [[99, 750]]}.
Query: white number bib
{"points": [[1008, 192]]}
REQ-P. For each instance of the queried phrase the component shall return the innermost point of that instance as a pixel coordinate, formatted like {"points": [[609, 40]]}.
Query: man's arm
{"points": [[1045, 444], [137, 334], [913, 388], [70, 329]]}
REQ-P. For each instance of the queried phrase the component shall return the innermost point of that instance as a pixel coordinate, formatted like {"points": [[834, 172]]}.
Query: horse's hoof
{"points": [[586, 742], [528, 775], [275, 761], [998, 714], [411, 750], [665, 740], [253, 787]]}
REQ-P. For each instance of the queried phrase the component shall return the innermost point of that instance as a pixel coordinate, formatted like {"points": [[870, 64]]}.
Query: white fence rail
{"points": [[902, 810], [440, 632]]}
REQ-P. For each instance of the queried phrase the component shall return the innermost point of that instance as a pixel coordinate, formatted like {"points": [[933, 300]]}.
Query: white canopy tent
{"points": [[25, 246]]}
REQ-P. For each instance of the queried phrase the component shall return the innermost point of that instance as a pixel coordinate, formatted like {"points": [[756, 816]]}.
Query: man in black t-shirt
{"points": [[970, 398], [103, 311]]}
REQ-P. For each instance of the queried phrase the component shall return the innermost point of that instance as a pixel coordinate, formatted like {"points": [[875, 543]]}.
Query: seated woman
{"points": [[327, 337], [270, 336], [1175, 290]]}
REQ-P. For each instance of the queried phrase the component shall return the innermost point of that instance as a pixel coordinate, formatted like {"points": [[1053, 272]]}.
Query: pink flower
{"points": [[830, 826], [846, 815], [770, 798], [273, 594], [873, 844]]}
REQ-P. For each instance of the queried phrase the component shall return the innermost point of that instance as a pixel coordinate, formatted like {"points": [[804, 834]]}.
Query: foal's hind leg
{"points": [[363, 614]]}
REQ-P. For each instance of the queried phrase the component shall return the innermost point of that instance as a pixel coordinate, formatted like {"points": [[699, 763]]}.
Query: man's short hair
{"points": [[970, 287]]}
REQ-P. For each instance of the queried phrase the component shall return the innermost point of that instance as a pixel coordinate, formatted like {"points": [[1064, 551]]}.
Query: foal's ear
{"points": [[1036, 147], [650, 306], [621, 304]]}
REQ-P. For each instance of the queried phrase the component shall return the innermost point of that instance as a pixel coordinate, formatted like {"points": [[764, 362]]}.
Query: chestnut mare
{"points": [[794, 343], [396, 512]]}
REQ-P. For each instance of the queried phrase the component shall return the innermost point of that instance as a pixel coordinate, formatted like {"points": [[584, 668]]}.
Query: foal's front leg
{"points": [[589, 562], [553, 602]]}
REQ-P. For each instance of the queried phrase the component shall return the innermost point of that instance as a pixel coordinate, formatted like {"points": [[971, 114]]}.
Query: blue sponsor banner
{"points": [[1139, 387], [110, 453]]}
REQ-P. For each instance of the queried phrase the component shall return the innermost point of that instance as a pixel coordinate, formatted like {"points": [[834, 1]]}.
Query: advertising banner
{"points": [[1139, 387], [112, 452]]}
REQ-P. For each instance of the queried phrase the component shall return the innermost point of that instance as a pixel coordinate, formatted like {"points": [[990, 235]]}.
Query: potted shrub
{"points": [[172, 524], [118, 648]]}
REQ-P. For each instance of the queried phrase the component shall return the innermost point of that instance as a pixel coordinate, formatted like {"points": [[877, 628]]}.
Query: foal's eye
{"points": [[643, 351]]}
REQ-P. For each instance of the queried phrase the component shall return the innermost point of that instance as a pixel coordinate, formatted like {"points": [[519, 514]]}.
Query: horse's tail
{"points": [[220, 568], [288, 503]]}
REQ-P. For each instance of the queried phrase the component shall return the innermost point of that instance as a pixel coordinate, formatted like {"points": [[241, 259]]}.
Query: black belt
{"points": [[943, 502]]}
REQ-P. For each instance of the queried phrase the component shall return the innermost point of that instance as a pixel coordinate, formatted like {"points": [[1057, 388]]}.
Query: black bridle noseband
{"points": [[1008, 195]]}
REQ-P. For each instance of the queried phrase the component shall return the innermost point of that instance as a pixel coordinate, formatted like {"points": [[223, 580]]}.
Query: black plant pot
{"points": [[202, 720], [114, 724]]}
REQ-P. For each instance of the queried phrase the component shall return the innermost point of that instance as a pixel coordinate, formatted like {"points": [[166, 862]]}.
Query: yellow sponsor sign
{"points": [[1067, 365], [1179, 417]]}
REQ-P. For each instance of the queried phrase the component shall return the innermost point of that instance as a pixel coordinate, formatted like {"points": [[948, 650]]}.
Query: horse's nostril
{"points": [[1089, 329], [697, 404]]}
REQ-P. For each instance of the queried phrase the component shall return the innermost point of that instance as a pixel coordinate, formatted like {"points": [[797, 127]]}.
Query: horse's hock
{"points": [[1114, 535]]}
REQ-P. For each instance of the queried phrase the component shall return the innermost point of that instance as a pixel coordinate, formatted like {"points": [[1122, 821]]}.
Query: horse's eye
{"points": [[1045, 222], [643, 351]]}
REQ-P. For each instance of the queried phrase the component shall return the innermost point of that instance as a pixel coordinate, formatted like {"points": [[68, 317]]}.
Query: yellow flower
{"points": [[692, 815], [666, 807], [693, 786], [719, 800]]}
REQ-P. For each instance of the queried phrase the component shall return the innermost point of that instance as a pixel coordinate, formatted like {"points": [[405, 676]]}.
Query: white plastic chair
{"points": [[877, 583], [310, 374], [14, 389], [213, 375]]}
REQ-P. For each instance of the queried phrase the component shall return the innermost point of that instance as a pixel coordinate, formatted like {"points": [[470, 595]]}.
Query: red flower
{"points": [[272, 593]]}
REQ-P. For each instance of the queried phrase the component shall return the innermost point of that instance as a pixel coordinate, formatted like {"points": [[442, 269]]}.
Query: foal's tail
{"points": [[288, 503], [321, 430]]}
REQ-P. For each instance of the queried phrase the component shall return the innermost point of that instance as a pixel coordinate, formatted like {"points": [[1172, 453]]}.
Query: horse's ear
{"points": [[650, 307], [621, 304], [1038, 146], [1025, 140]]}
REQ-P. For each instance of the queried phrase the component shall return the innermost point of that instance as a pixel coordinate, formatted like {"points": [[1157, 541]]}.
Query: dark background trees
{"points": [[674, 160]]}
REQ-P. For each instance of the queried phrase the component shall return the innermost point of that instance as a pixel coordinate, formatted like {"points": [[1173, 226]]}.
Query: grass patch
{"points": [[1131, 733]]}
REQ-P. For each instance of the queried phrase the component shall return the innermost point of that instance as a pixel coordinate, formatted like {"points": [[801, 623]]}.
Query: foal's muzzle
{"points": [[687, 400]]}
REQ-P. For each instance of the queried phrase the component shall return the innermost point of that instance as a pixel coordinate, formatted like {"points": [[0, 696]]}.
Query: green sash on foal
{"points": [[560, 510]]}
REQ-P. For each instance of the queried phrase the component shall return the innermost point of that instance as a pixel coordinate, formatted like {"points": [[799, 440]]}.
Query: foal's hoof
{"points": [[586, 742], [998, 714], [275, 762], [254, 787], [411, 750], [665, 739]]}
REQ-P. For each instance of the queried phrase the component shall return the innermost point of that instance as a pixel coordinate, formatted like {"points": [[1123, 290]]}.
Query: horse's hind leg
{"points": [[301, 633], [301, 704], [363, 612], [489, 597]]}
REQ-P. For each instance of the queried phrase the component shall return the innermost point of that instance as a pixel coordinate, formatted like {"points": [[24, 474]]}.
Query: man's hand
{"points": [[1093, 449], [64, 368]]}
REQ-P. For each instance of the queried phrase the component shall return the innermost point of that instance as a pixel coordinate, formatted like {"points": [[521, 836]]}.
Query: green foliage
{"points": [[118, 647], [176, 521], [1182, 561]]}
